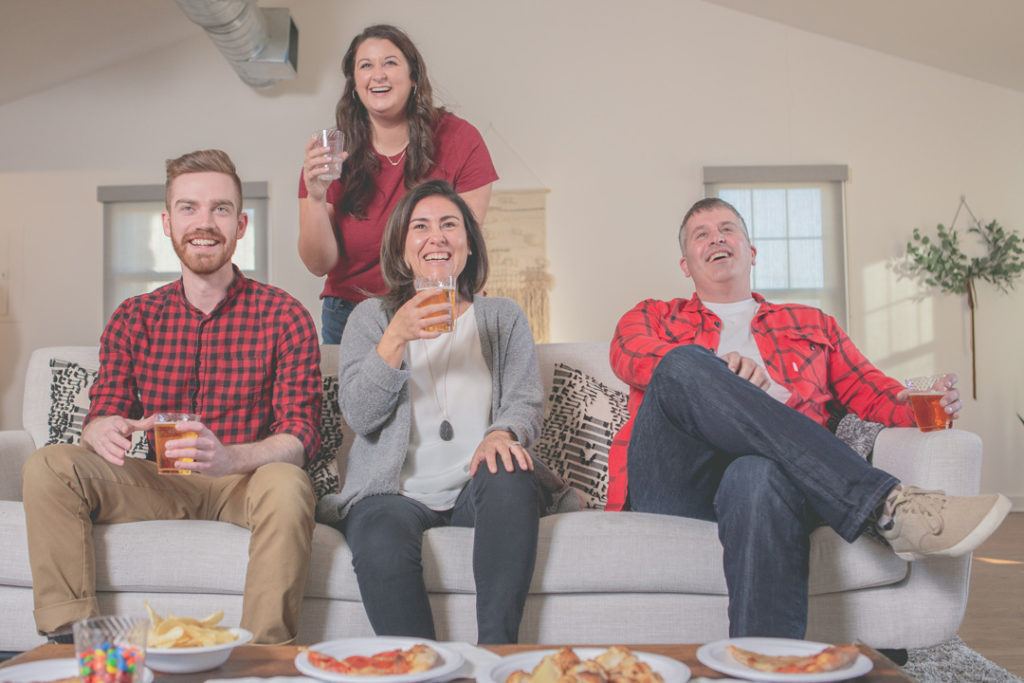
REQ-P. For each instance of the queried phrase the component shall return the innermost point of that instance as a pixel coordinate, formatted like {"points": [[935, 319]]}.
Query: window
{"points": [[795, 218], [138, 257]]}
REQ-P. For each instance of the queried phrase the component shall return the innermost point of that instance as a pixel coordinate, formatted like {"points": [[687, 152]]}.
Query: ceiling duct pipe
{"points": [[262, 44]]}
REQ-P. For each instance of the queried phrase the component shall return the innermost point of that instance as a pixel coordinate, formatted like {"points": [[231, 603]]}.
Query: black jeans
{"points": [[709, 445], [385, 534]]}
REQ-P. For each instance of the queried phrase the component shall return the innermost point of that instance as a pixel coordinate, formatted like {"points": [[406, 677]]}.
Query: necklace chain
{"points": [[401, 156], [446, 431]]}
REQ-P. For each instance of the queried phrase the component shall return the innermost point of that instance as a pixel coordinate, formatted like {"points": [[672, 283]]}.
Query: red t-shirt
{"points": [[461, 158]]}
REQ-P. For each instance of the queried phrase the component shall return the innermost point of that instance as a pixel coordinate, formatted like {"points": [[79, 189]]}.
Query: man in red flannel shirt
{"points": [[727, 413], [241, 356]]}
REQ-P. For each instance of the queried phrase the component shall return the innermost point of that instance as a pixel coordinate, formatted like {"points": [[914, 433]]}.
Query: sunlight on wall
{"points": [[899, 324]]}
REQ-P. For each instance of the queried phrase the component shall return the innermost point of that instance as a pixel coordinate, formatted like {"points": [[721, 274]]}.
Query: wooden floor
{"points": [[994, 624]]}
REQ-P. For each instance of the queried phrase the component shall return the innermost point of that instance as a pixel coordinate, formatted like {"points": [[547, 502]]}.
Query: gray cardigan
{"points": [[375, 401]]}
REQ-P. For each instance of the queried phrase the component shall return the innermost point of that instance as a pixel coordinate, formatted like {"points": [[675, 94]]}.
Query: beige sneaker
{"points": [[930, 523]]}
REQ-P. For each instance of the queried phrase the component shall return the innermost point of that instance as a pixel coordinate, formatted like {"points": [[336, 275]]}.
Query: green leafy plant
{"points": [[942, 264]]}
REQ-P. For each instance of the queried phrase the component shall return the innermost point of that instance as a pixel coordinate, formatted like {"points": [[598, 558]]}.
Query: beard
{"points": [[204, 263]]}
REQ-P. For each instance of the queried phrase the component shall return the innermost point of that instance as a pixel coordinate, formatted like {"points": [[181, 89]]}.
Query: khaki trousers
{"points": [[66, 489]]}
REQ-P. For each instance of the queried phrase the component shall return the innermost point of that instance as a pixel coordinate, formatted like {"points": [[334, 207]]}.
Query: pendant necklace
{"points": [[445, 431], [401, 156]]}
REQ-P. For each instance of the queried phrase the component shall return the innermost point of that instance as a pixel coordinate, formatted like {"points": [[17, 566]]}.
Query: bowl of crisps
{"points": [[182, 645]]}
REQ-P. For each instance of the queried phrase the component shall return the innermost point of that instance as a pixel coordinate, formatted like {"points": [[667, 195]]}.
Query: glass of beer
{"points": [[445, 285], [925, 394], [166, 429]]}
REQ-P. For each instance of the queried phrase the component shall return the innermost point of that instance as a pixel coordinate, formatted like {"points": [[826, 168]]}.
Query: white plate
{"points": [[186, 660], [715, 656], [672, 670], [346, 647], [50, 670]]}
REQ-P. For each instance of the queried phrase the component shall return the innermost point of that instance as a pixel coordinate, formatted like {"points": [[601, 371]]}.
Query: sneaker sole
{"points": [[988, 524]]}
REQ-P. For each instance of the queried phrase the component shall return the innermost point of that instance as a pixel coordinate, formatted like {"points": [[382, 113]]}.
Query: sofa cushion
{"points": [[583, 415], [69, 404], [578, 552]]}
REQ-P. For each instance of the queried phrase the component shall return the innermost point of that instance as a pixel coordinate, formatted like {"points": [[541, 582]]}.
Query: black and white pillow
{"points": [[69, 404], [584, 414], [323, 471]]}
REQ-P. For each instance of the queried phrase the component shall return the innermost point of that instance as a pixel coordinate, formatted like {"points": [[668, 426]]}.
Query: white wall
{"points": [[615, 107]]}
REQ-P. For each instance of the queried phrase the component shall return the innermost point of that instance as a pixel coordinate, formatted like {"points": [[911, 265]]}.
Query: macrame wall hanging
{"points": [[516, 235]]}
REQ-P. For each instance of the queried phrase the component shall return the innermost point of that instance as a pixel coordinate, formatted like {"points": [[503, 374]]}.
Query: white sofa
{"points": [[600, 577]]}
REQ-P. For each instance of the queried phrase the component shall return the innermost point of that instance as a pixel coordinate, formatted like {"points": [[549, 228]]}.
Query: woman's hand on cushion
{"points": [[499, 445]]}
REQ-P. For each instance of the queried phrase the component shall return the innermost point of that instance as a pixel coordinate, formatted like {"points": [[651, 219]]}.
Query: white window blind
{"points": [[795, 218], [138, 257]]}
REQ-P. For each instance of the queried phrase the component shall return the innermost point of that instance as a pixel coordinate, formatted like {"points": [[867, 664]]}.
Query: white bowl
{"points": [[187, 660]]}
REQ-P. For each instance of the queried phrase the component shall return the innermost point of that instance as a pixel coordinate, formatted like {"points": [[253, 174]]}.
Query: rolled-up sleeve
{"points": [[297, 394]]}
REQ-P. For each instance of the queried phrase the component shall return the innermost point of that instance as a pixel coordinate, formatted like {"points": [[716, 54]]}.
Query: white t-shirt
{"points": [[435, 470], [737, 336]]}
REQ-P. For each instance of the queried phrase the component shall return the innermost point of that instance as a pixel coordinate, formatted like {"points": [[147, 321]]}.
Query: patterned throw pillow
{"points": [[584, 415], [69, 404], [323, 471]]}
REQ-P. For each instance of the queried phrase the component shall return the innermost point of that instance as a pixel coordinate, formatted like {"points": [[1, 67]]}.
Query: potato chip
{"points": [[179, 632]]}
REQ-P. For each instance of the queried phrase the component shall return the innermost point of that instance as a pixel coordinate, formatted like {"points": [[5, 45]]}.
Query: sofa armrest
{"points": [[948, 459], [15, 447]]}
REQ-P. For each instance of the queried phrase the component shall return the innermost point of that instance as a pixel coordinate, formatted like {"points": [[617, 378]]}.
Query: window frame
{"points": [[255, 196], [765, 177]]}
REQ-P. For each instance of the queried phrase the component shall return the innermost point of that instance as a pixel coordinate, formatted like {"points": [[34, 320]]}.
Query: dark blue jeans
{"points": [[385, 534], [709, 445], [333, 318]]}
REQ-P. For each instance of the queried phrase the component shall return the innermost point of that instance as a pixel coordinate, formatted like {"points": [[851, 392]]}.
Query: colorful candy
{"points": [[110, 663]]}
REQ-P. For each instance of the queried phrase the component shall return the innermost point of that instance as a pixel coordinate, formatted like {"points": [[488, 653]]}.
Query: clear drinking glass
{"points": [[446, 294], [166, 430], [334, 140], [111, 649], [925, 394]]}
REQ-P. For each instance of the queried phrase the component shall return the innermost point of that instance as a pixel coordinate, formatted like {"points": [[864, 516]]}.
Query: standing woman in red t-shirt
{"points": [[394, 138]]}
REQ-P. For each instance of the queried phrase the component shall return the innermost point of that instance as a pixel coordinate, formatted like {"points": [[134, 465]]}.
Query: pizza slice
{"points": [[417, 658], [829, 659]]}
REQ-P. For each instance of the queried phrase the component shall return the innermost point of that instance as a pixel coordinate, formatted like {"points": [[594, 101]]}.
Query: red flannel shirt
{"points": [[249, 369], [803, 349]]}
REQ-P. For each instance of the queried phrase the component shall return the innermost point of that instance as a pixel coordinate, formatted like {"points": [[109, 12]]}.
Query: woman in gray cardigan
{"points": [[443, 421]]}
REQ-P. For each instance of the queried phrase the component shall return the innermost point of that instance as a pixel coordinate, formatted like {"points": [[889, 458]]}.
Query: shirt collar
{"points": [[695, 305], [238, 285]]}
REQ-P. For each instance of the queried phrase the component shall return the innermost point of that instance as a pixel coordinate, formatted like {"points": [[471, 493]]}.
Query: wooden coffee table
{"points": [[276, 660]]}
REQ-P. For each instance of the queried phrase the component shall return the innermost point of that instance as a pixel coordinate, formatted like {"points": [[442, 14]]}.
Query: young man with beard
{"points": [[727, 404], [243, 357]]}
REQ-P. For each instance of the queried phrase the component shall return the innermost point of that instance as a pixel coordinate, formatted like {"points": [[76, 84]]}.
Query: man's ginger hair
{"points": [[201, 161]]}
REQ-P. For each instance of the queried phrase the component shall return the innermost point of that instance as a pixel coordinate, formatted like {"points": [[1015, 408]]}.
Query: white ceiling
{"points": [[46, 42], [976, 38]]}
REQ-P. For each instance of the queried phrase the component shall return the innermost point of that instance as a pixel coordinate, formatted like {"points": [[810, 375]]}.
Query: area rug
{"points": [[954, 662]]}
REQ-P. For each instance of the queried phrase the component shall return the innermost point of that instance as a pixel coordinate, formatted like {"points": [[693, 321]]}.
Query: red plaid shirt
{"points": [[804, 350], [249, 369]]}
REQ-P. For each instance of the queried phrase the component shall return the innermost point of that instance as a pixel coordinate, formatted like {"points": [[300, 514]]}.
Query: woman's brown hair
{"points": [[398, 276], [362, 165]]}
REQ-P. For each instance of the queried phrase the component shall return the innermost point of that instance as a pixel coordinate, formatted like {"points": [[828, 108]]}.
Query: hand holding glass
{"points": [[925, 400], [334, 140], [446, 295], [166, 429]]}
